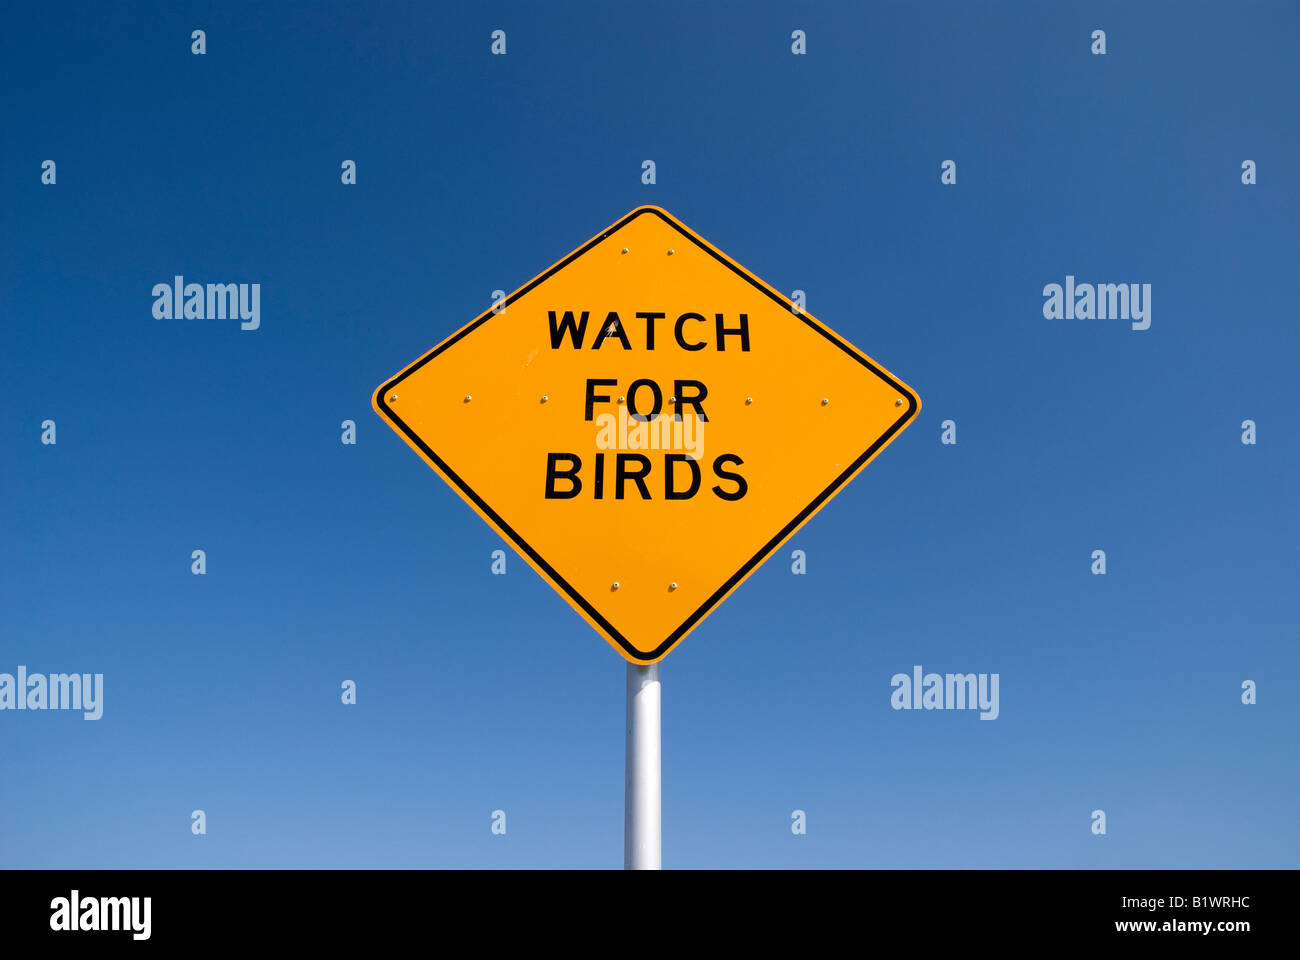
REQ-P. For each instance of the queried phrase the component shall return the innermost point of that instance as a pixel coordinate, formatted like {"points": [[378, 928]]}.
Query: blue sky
{"points": [[819, 172]]}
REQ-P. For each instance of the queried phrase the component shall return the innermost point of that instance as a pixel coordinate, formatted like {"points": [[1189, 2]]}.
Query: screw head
{"points": [[614, 586], [545, 398], [468, 398], [748, 401], [620, 399], [625, 249], [673, 585], [898, 402], [671, 252], [392, 398], [825, 400]]}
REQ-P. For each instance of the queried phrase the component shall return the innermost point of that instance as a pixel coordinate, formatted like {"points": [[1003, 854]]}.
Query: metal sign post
{"points": [[643, 803], [646, 422]]}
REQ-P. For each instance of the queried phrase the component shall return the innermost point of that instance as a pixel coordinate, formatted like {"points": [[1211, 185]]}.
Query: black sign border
{"points": [[381, 402]]}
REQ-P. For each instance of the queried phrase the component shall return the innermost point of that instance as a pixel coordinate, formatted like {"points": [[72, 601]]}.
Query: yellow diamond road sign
{"points": [[646, 422]]}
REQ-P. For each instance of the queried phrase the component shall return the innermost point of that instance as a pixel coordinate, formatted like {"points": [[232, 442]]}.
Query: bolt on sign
{"points": [[646, 422]]}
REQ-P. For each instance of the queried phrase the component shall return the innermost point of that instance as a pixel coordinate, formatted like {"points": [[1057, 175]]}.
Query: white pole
{"points": [[643, 802]]}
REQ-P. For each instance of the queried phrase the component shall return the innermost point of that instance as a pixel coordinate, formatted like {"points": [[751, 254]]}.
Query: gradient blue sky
{"points": [[329, 562]]}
